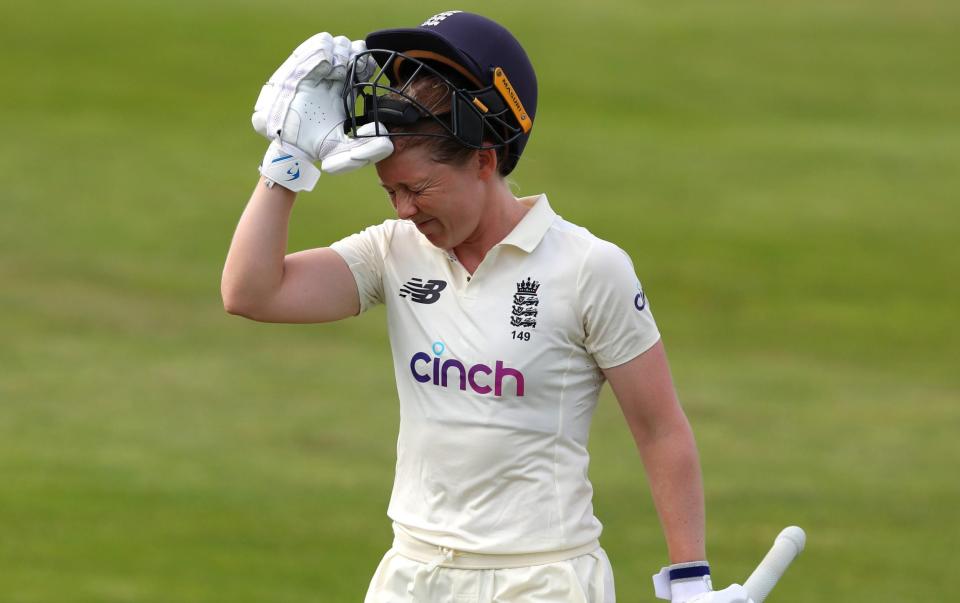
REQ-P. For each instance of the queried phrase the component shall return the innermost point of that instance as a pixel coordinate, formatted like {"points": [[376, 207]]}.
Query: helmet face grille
{"points": [[470, 49], [397, 94]]}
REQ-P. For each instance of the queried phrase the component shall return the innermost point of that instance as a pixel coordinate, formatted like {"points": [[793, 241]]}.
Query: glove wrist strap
{"points": [[682, 581], [289, 167]]}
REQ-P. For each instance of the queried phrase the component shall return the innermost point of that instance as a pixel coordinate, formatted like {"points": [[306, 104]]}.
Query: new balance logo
{"points": [[423, 293]]}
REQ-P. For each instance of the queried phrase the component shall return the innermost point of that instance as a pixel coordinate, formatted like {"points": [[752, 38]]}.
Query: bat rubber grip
{"points": [[786, 547]]}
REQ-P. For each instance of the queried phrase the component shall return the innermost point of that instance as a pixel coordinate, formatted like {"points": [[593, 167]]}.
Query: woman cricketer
{"points": [[504, 319]]}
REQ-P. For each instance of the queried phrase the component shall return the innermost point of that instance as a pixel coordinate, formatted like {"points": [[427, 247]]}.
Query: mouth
{"points": [[422, 225]]}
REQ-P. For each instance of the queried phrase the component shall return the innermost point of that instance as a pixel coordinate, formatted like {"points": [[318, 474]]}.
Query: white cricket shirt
{"points": [[498, 376]]}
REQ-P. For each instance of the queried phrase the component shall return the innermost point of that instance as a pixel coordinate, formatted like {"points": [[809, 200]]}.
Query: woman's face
{"points": [[444, 201]]}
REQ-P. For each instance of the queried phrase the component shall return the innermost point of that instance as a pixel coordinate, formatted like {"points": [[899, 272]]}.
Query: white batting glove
{"points": [[690, 583], [300, 110]]}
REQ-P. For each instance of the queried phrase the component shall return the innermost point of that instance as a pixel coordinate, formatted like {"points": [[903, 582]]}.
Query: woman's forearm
{"points": [[673, 470], [254, 266]]}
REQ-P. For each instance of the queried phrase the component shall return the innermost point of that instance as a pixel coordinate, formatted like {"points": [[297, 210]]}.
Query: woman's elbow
{"points": [[231, 307], [235, 303]]}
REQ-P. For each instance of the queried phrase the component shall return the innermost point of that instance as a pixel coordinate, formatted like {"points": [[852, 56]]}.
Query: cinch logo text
{"points": [[479, 376]]}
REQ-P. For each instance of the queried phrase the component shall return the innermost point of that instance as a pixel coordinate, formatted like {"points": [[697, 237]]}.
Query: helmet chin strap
{"points": [[473, 115]]}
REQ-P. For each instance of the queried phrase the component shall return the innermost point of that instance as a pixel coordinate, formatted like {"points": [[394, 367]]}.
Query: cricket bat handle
{"points": [[786, 547]]}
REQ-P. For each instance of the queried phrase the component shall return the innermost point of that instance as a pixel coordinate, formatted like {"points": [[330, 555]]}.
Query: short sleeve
{"points": [[617, 320], [364, 253]]}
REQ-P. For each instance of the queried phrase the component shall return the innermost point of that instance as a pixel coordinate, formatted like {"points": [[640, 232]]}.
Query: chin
{"points": [[440, 241], [438, 236]]}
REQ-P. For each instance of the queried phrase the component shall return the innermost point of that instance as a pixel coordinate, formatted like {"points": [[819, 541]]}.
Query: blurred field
{"points": [[785, 176]]}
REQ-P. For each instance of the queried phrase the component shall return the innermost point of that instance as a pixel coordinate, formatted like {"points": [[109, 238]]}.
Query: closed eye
{"points": [[416, 192]]}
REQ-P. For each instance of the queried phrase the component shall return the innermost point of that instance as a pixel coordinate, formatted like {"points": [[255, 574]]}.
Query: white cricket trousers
{"points": [[415, 572]]}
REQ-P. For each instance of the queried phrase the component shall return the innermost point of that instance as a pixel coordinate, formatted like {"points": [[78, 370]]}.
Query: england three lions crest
{"points": [[525, 302]]}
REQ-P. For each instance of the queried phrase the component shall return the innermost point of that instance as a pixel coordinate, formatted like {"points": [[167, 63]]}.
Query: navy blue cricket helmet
{"points": [[491, 82]]}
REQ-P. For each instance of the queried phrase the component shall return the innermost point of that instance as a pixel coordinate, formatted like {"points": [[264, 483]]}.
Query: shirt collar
{"points": [[531, 229], [528, 232]]}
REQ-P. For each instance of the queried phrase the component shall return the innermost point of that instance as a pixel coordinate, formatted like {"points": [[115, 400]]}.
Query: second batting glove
{"points": [[690, 583]]}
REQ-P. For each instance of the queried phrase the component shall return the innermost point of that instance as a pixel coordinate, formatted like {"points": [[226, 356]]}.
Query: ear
{"points": [[486, 163]]}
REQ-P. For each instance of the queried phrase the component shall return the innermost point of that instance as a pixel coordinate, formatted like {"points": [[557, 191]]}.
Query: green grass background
{"points": [[784, 174]]}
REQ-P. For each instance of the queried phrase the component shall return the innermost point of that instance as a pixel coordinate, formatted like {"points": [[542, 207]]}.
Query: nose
{"points": [[405, 206]]}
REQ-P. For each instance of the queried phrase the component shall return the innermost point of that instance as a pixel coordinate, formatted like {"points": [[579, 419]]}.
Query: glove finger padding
{"points": [[732, 594], [313, 44], [312, 60], [365, 64], [341, 57], [353, 153], [320, 58]]}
